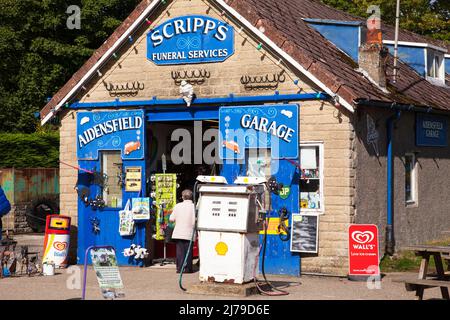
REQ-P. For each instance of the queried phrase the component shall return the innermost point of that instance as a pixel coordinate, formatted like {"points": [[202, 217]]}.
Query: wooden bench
{"points": [[424, 279], [418, 285]]}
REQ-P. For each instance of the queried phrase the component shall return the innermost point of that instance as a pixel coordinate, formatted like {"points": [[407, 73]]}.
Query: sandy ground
{"points": [[161, 283]]}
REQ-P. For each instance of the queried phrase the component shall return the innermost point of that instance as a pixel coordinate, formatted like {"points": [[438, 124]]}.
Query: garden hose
{"points": [[264, 246]]}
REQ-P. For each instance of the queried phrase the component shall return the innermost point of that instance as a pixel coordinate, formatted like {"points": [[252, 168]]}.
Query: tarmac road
{"points": [[161, 283]]}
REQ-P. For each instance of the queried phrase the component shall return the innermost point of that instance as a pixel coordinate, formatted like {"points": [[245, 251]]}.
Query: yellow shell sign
{"points": [[221, 248]]}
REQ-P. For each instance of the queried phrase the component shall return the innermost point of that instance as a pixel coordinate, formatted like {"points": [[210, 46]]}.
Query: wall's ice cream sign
{"points": [[190, 39], [117, 130]]}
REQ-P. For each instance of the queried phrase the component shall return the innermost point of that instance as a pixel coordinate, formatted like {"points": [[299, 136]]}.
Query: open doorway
{"points": [[177, 148]]}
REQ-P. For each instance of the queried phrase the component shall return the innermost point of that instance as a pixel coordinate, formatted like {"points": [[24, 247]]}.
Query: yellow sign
{"points": [[133, 179], [221, 248], [272, 227], [59, 223]]}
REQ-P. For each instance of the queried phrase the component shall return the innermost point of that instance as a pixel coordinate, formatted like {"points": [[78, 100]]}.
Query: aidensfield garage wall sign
{"points": [[190, 39], [116, 130]]}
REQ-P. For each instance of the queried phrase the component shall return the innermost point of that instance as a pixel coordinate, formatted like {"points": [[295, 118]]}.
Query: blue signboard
{"points": [[431, 130], [190, 39], [110, 130], [266, 126]]}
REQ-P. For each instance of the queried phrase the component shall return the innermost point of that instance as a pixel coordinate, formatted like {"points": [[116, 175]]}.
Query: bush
{"points": [[36, 150]]}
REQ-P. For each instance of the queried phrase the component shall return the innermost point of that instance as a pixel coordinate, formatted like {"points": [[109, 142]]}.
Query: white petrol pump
{"points": [[229, 219]]}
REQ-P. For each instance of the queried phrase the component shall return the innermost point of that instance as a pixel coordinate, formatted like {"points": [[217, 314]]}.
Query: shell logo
{"points": [[221, 248]]}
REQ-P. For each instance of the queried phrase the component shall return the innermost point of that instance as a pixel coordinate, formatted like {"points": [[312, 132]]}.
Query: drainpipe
{"points": [[390, 241]]}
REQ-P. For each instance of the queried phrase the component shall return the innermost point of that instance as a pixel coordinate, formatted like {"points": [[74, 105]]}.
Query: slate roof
{"points": [[283, 24]]}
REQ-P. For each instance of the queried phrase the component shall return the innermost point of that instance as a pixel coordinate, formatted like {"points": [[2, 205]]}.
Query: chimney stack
{"points": [[371, 60], [372, 54]]}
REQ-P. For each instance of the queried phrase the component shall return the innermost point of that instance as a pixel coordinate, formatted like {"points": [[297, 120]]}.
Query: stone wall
{"points": [[319, 122]]}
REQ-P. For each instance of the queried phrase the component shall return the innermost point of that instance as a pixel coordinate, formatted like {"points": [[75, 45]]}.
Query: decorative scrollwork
{"points": [[267, 82], [129, 89], [193, 77]]}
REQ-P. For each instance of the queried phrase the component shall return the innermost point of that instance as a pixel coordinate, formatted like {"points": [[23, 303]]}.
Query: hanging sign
{"points": [[266, 126], [363, 250], [431, 130], [110, 130], [190, 39], [133, 179]]}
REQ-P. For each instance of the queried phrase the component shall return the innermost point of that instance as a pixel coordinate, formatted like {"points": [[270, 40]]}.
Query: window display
{"points": [[311, 194]]}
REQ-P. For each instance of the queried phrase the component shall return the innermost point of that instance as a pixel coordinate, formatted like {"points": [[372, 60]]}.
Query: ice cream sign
{"points": [[190, 39], [116, 130], [268, 126]]}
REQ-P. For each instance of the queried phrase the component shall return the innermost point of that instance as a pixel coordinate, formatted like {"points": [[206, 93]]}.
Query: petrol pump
{"points": [[229, 220]]}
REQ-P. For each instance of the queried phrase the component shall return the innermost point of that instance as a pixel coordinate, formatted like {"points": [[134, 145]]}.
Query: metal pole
{"points": [[397, 22]]}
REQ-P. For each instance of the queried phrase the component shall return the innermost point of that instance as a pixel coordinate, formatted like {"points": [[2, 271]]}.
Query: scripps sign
{"points": [[190, 39], [116, 130]]}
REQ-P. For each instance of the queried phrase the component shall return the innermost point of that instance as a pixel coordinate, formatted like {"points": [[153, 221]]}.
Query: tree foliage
{"points": [[40, 53], [425, 17], [35, 150]]}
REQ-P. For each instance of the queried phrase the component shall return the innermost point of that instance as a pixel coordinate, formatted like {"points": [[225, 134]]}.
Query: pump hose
{"points": [[263, 246], [180, 279]]}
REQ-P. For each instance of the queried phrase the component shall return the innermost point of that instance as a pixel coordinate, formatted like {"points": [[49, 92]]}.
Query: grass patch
{"points": [[408, 261]]}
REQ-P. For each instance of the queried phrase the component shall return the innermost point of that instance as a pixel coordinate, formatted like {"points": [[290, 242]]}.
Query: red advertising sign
{"points": [[363, 250]]}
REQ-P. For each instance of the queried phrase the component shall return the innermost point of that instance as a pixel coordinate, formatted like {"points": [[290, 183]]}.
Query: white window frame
{"points": [[438, 78], [319, 144], [414, 180]]}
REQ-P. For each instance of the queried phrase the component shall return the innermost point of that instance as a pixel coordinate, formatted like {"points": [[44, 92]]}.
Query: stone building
{"points": [[371, 149]]}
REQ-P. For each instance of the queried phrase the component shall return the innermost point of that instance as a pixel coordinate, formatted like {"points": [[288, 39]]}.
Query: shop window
{"points": [[258, 164], [410, 179], [311, 178], [111, 164]]}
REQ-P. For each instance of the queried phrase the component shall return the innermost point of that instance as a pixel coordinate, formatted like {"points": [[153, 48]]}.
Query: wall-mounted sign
{"points": [[133, 179], [305, 233], [267, 126], [110, 130], [190, 39], [431, 130], [363, 250]]}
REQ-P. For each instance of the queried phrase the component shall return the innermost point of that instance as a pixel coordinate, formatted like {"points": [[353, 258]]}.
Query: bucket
{"points": [[48, 269]]}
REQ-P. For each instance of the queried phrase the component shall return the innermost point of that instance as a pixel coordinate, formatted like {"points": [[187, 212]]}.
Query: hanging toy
{"points": [[97, 203], [95, 222], [136, 251]]}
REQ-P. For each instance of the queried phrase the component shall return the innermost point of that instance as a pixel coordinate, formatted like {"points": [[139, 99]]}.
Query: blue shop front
{"points": [[136, 157]]}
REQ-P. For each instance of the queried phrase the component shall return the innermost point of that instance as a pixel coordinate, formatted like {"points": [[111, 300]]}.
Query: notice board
{"points": [[305, 233]]}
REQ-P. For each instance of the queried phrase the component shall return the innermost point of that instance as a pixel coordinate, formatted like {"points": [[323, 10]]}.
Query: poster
{"points": [[363, 250], [304, 233], [105, 265], [141, 208], [133, 179]]}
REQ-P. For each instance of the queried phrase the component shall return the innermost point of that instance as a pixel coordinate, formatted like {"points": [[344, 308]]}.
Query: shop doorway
{"points": [[186, 149]]}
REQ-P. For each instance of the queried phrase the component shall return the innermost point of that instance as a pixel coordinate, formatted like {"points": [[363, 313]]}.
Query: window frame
{"points": [[414, 181], [434, 57], [320, 144], [103, 155]]}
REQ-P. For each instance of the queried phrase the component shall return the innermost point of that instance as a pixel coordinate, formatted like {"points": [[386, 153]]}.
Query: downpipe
{"points": [[390, 240]]}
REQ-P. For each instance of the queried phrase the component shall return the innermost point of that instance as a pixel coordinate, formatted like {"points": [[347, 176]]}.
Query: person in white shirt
{"points": [[183, 215]]}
